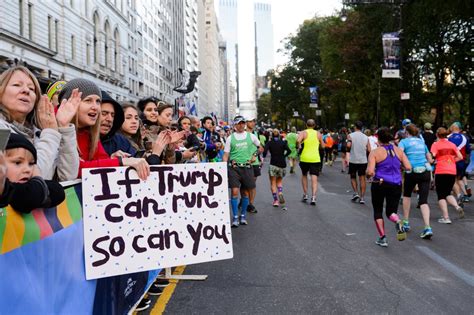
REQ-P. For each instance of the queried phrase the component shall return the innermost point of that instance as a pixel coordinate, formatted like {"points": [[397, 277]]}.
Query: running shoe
{"points": [[382, 241], [460, 211], [445, 221], [427, 233], [281, 199], [362, 201], [401, 234], [251, 208], [406, 225], [305, 198], [276, 203], [466, 199], [355, 197], [313, 201], [235, 222], [243, 220]]}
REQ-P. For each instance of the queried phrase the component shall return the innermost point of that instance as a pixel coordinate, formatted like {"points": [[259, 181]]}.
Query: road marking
{"points": [[165, 297], [459, 272], [324, 191]]}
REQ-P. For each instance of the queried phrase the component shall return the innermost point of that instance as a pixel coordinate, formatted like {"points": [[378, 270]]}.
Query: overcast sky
{"points": [[289, 14]]}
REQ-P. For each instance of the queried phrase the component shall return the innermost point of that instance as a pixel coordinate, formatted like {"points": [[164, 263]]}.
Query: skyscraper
{"points": [[245, 25], [264, 38]]}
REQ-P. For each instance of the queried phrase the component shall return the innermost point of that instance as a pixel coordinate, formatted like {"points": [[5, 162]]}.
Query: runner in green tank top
{"points": [[310, 160], [291, 140]]}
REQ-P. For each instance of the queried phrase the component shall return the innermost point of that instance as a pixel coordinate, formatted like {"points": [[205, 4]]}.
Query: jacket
{"points": [[57, 150], [100, 158]]}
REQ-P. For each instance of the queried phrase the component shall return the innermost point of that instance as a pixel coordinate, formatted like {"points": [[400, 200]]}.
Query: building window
{"points": [[117, 50], [73, 47], [96, 37], [50, 32], [30, 21], [20, 3], [56, 34], [88, 54]]}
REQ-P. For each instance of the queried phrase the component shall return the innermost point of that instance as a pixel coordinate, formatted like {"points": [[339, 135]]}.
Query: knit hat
{"points": [[20, 141], [54, 87], [85, 86]]}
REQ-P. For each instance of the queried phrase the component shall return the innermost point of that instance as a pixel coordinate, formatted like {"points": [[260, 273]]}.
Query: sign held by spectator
{"points": [[178, 216]]}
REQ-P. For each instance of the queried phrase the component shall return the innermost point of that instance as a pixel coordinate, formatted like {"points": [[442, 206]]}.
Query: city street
{"points": [[323, 259]]}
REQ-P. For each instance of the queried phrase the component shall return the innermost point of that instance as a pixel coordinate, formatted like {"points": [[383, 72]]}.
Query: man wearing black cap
{"points": [[111, 120], [239, 153]]}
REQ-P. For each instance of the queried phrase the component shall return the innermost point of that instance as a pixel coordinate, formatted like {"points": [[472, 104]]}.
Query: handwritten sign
{"points": [[178, 216]]}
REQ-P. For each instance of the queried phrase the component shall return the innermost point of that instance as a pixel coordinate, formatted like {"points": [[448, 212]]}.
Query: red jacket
{"points": [[100, 159]]}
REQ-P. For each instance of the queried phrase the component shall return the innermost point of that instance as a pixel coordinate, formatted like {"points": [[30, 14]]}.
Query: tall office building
{"points": [[191, 49], [264, 37], [244, 25]]}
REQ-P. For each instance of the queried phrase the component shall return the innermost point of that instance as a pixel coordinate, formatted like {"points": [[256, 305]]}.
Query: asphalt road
{"points": [[322, 259]]}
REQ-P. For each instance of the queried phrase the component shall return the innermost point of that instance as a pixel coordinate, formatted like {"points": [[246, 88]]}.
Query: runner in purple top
{"points": [[384, 166]]}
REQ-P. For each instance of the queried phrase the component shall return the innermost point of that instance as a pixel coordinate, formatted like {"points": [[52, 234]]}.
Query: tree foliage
{"points": [[344, 60]]}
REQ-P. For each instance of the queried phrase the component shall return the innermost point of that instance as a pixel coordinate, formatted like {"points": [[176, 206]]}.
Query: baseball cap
{"points": [[427, 126], [406, 122], [250, 119], [457, 124], [238, 119]]}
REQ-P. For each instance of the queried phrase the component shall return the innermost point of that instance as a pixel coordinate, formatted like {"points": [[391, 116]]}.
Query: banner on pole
{"points": [[391, 55], [178, 216], [313, 96]]}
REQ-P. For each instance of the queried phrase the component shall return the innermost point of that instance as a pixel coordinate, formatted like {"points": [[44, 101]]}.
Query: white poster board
{"points": [[178, 216]]}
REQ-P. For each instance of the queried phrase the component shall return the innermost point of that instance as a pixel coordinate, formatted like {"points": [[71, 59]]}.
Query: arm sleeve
{"points": [[47, 146], [265, 150], [255, 140], [287, 149], [68, 160], [36, 190], [98, 163]]}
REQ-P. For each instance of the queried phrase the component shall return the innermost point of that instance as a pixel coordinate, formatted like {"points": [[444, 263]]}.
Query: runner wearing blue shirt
{"points": [[420, 160], [463, 145]]}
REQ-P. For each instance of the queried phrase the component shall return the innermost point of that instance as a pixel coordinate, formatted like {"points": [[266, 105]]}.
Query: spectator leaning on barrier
{"points": [[111, 120], [24, 111], [23, 179], [91, 151]]}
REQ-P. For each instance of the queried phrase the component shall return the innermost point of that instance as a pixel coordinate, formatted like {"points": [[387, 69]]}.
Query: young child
{"points": [[24, 190]]}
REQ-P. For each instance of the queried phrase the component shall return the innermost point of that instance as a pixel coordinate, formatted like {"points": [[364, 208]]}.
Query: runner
{"points": [[420, 159], [343, 144], [310, 160], [239, 154], [359, 146], [384, 167], [446, 154], [291, 140], [328, 144], [279, 150], [463, 145]]}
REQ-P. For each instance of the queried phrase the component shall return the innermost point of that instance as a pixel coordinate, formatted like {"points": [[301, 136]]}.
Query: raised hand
{"points": [[68, 108], [161, 142], [45, 114], [177, 135]]}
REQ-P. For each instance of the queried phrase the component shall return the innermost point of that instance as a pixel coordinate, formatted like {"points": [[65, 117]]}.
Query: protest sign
{"points": [[178, 216]]}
